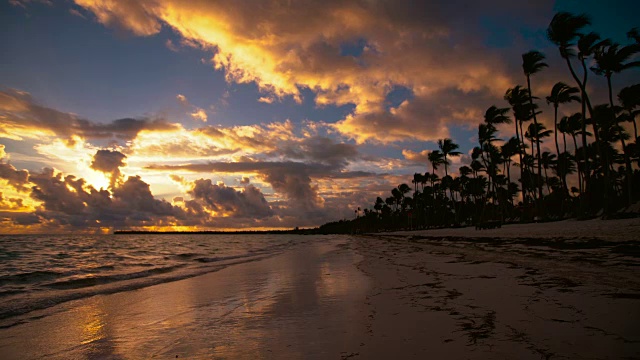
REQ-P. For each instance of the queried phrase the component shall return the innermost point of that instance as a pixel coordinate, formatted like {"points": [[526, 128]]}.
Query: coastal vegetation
{"points": [[592, 171]]}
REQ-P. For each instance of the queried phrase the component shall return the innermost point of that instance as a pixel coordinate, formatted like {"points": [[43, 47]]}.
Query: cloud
{"points": [[18, 179], [320, 149], [430, 48], [131, 15], [24, 3], [249, 202], [171, 46], [199, 114], [195, 112], [421, 157], [21, 117], [292, 179], [109, 162]]}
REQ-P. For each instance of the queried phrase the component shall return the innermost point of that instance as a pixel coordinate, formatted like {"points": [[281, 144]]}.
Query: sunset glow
{"points": [[222, 115]]}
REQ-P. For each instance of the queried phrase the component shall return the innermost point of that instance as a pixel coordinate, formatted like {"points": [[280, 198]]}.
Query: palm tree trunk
{"points": [[584, 98], [546, 180], [535, 122], [445, 165], [575, 145], [627, 161], [635, 126], [524, 195], [603, 158], [555, 128]]}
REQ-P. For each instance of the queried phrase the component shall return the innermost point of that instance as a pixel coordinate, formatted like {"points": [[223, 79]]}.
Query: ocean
{"points": [[38, 272]]}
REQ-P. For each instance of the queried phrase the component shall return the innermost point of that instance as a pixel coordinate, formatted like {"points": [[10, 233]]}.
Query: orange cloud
{"points": [[283, 47]]}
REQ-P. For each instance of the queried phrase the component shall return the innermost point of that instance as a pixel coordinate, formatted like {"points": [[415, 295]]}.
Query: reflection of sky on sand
{"points": [[290, 305]]}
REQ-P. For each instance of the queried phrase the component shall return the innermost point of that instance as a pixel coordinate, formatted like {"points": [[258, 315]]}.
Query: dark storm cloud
{"points": [[290, 178], [16, 178], [320, 149], [69, 201], [293, 179], [249, 202]]}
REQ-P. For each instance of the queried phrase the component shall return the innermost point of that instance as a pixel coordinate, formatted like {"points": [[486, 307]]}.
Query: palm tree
{"points": [[448, 148], [564, 165], [379, 204], [561, 93], [397, 196], [548, 161], [495, 116], [417, 179], [518, 99], [476, 166], [532, 62], [562, 31], [629, 98], [534, 133], [634, 34], [509, 150], [575, 127], [562, 127], [609, 60], [612, 59], [435, 158]]}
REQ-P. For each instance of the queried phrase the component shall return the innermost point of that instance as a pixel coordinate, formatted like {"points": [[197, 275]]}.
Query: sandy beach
{"points": [[555, 293]]}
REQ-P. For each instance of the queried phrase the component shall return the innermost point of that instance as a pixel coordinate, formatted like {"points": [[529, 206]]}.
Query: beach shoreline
{"points": [[560, 292]]}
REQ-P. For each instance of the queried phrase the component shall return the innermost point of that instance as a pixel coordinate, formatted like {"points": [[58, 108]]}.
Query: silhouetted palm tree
{"points": [[548, 161], [629, 98], [509, 150], [435, 158], [613, 59], [563, 31], [563, 128], [532, 62], [561, 93], [448, 148], [634, 34], [518, 98]]}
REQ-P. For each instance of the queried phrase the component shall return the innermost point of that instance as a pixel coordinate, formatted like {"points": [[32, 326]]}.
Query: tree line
{"points": [[592, 172]]}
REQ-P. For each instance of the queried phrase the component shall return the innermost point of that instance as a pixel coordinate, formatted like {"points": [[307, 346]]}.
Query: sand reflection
{"points": [[93, 329]]}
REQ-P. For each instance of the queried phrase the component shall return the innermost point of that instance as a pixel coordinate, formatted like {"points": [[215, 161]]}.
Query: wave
{"points": [[29, 277], [13, 313], [11, 292], [103, 279], [222, 258]]}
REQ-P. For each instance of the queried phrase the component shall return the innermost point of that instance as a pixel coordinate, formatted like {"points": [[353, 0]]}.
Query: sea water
{"points": [[40, 271]]}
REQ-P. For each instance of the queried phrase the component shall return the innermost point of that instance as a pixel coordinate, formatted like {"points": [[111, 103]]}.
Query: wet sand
{"points": [[304, 303], [407, 295]]}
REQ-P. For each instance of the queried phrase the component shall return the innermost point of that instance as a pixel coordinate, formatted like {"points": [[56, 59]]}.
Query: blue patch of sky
{"points": [[397, 95], [611, 19], [535, 37], [76, 65], [498, 33], [464, 136], [244, 108], [354, 48]]}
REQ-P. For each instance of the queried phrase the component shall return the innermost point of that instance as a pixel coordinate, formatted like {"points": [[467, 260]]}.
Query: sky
{"points": [[232, 114]]}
